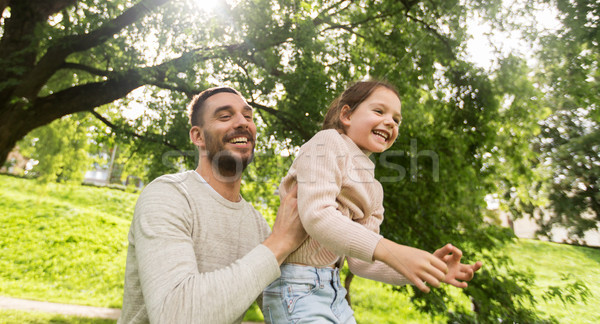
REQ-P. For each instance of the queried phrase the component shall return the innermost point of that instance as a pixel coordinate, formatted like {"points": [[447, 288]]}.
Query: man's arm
{"points": [[174, 290], [288, 233]]}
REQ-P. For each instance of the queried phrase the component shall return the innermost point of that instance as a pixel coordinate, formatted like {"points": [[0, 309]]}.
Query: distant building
{"points": [[98, 177], [16, 163], [526, 227]]}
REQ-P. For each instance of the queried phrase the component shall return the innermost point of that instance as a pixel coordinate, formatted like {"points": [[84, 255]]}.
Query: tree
{"points": [[553, 148], [60, 57], [569, 143]]}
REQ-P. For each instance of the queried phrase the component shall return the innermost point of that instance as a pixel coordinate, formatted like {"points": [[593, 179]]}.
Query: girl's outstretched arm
{"points": [[378, 271]]}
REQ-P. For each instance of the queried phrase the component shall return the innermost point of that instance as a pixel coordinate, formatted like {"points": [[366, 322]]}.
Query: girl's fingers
{"points": [[418, 283], [456, 283], [431, 280], [439, 264], [443, 251], [422, 286]]}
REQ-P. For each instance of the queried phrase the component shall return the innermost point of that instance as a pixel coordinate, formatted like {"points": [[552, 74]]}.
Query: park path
{"points": [[64, 309]]}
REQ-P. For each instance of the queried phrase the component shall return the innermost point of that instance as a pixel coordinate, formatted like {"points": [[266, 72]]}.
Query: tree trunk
{"points": [[15, 123]]}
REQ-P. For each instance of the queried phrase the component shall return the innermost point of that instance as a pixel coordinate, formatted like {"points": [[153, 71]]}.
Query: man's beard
{"points": [[223, 162]]}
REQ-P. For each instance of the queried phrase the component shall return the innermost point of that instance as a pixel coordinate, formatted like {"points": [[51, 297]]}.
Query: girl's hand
{"points": [[451, 255], [416, 265]]}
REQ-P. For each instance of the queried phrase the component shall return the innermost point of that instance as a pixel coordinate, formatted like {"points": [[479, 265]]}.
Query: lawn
{"points": [[63, 243], [68, 244], [551, 262], [20, 317]]}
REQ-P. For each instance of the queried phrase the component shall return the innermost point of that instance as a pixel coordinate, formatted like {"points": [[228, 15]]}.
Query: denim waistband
{"points": [[298, 271]]}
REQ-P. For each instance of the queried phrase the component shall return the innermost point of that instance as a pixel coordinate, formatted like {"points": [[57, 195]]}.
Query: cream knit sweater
{"points": [[340, 204], [194, 257]]}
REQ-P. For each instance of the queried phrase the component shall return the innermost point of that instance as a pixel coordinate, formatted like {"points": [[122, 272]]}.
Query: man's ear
{"points": [[345, 115], [197, 136]]}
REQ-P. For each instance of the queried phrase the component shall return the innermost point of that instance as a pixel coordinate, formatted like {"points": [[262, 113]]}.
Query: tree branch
{"points": [[118, 129], [49, 7], [88, 69], [435, 33], [85, 97], [282, 117], [56, 55], [319, 19], [88, 96], [349, 27], [408, 4], [189, 92]]}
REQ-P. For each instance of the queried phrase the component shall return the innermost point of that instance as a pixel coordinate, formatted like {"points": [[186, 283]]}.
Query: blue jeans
{"points": [[305, 294]]}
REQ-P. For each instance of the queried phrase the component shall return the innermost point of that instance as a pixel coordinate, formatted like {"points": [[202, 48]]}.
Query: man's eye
{"points": [[222, 117], [378, 111], [249, 117]]}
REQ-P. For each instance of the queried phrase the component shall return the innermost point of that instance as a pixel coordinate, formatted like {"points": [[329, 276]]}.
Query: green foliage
{"points": [[155, 143], [569, 141], [261, 179], [61, 149], [569, 294], [510, 159]]}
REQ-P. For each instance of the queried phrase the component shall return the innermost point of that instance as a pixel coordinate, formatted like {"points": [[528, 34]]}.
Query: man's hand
{"points": [[288, 233], [451, 255], [416, 265]]}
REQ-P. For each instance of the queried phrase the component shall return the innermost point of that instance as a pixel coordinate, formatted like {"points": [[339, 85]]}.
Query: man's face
{"points": [[229, 133]]}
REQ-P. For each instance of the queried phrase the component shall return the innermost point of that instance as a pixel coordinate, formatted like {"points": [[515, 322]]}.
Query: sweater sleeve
{"points": [[321, 167], [377, 270], [173, 288]]}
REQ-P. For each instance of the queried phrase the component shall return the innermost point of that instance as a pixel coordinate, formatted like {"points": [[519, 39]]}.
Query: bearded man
{"points": [[198, 252]]}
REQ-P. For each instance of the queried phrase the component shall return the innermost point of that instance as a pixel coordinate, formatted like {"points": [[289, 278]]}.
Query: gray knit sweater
{"points": [[194, 257]]}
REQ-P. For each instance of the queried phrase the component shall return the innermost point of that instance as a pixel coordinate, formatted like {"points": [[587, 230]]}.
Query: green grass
{"points": [[375, 302], [68, 244], [550, 262], [63, 243], [20, 317]]}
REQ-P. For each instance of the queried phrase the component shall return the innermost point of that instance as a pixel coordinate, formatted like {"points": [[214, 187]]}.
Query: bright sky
{"points": [[484, 43]]}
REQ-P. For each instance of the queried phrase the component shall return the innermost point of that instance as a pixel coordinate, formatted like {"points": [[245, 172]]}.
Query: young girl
{"points": [[341, 207]]}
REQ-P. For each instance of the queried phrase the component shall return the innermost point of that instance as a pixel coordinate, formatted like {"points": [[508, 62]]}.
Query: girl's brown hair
{"points": [[352, 97]]}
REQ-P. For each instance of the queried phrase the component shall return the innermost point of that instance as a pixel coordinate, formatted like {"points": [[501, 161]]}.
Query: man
{"points": [[199, 253]]}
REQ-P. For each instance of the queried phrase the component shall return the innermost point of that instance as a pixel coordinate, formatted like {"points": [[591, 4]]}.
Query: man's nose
{"points": [[239, 120]]}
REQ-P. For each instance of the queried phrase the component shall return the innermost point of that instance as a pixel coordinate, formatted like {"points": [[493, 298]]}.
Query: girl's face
{"points": [[373, 125]]}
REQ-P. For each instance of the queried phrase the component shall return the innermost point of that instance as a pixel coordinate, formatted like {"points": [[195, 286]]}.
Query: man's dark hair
{"points": [[197, 105]]}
